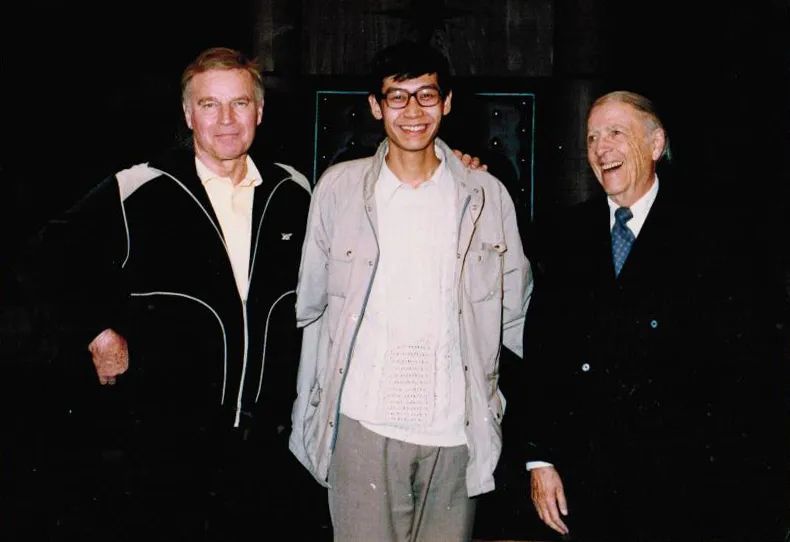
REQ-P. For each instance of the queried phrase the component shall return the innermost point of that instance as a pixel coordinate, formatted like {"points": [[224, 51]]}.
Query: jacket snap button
{"points": [[654, 324], [585, 367]]}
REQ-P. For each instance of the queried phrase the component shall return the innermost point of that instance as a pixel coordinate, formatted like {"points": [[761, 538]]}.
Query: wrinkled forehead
{"points": [[612, 114], [232, 81]]}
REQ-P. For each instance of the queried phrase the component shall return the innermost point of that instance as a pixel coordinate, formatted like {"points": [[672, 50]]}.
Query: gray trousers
{"points": [[386, 490]]}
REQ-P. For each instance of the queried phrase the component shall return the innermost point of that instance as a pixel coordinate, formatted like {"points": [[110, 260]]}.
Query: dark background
{"points": [[91, 90]]}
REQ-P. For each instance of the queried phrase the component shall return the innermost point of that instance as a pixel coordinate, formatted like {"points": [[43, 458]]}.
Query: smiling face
{"points": [[221, 108], [623, 146], [414, 127]]}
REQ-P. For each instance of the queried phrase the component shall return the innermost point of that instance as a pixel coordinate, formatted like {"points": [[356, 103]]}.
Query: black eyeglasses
{"points": [[397, 98]]}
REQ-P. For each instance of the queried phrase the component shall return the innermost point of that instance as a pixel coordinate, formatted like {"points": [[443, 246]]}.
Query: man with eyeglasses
{"points": [[412, 275]]}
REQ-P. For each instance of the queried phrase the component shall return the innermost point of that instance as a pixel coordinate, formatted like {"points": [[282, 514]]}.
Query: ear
{"points": [[260, 114], [187, 115], [448, 102], [375, 108], [658, 143]]}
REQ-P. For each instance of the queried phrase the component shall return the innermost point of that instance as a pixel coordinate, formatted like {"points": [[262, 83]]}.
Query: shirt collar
{"points": [[639, 209], [389, 183], [206, 175]]}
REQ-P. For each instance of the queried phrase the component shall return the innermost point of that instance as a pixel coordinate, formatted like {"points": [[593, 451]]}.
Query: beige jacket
{"points": [[339, 260]]}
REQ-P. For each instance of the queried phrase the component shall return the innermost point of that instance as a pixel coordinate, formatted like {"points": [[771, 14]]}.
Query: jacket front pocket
{"points": [[339, 273], [483, 272]]}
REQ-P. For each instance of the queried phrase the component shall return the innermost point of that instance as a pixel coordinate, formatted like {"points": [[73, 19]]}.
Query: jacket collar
{"points": [[180, 164], [470, 194], [467, 185]]}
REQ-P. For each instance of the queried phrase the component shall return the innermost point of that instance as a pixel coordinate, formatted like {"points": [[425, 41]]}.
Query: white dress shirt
{"points": [[639, 209]]}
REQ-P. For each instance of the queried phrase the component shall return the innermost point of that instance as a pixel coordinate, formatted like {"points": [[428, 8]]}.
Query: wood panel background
{"points": [[501, 38]]}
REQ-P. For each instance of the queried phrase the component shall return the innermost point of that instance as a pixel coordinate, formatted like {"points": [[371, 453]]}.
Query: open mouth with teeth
{"points": [[611, 165], [414, 128]]}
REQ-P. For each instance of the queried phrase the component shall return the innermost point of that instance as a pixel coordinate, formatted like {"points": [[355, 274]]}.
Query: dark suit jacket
{"points": [[649, 392]]}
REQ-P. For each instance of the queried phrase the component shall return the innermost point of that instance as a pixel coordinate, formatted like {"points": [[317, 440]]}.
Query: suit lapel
{"points": [[600, 241], [649, 250]]}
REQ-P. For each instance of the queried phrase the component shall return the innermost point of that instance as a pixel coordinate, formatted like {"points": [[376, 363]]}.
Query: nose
{"points": [[413, 108], [226, 114], [602, 145]]}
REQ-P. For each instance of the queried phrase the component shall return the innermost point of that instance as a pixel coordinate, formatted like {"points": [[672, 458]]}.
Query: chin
{"points": [[615, 188], [414, 145], [230, 154]]}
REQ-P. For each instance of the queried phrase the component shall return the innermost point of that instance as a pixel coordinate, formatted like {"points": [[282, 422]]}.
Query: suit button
{"points": [[585, 367]]}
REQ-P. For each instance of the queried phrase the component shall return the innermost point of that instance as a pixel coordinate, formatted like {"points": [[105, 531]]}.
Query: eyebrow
{"points": [[616, 126], [205, 99], [432, 87]]}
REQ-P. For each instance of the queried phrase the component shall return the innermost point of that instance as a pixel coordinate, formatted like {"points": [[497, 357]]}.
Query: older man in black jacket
{"points": [[651, 371]]}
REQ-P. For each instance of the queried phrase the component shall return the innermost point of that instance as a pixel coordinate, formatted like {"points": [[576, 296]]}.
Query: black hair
{"points": [[409, 60]]}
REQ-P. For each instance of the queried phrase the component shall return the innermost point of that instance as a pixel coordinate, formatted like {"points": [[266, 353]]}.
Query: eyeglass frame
{"points": [[383, 96]]}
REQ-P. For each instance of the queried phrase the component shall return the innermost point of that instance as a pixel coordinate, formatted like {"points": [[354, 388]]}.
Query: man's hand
{"points": [[110, 355], [549, 497], [472, 162]]}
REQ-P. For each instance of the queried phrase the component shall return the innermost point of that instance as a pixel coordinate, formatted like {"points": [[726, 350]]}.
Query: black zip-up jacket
{"points": [[143, 253]]}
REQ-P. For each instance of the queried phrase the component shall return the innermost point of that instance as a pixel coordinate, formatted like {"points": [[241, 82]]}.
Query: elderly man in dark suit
{"points": [[650, 383]]}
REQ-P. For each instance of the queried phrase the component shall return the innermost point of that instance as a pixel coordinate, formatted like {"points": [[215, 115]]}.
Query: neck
{"points": [[235, 169], [629, 198], [412, 167]]}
